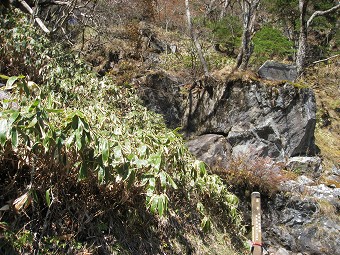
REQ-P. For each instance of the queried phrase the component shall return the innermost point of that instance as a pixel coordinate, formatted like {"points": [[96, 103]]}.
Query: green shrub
{"points": [[227, 32], [270, 43]]}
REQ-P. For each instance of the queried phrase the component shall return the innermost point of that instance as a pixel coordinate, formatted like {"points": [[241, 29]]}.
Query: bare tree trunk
{"points": [[224, 8], [303, 47], [249, 9], [195, 40]]}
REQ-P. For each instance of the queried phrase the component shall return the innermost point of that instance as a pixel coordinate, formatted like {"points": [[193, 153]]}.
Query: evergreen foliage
{"points": [[270, 43]]}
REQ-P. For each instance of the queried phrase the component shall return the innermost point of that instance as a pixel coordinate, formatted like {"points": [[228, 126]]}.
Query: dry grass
{"points": [[324, 79]]}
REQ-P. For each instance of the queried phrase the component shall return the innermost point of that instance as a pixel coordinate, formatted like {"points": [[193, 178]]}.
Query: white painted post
{"points": [[256, 223]]}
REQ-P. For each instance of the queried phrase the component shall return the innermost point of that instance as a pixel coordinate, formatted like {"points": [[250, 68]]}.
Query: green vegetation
{"points": [[270, 43], [227, 32], [82, 158]]}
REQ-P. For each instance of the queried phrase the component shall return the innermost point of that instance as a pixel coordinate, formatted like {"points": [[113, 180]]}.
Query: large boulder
{"points": [[275, 121], [272, 70]]}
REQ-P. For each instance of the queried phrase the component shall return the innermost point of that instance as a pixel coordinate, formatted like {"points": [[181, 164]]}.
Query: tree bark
{"points": [[195, 40], [249, 9], [303, 46], [224, 8]]}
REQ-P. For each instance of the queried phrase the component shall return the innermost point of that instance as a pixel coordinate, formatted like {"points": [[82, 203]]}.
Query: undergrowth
{"points": [[246, 174], [85, 167]]}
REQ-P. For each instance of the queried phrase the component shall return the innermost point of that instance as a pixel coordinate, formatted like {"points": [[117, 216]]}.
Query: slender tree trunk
{"points": [[224, 8], [302, 47], [195, 40], [249, 9]]}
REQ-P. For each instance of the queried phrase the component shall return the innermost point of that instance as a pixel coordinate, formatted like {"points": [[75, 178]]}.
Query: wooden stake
{"points": [[256, 223]]}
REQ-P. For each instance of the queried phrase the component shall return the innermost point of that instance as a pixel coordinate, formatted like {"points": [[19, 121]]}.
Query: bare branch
{"points": [[38, 20], [320, 13], [326, 59]]}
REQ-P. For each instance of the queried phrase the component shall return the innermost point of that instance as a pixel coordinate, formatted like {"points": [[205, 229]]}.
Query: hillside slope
{"points": [[85, 168]]}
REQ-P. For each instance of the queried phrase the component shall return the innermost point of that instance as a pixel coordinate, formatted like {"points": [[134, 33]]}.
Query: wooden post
{"points": [[256, 223]]}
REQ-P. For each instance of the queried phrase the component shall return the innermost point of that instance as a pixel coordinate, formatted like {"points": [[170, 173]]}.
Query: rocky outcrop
{"points": [[251, 117], [224, 119], [304, 218], [274, 121], [161, 94], [213, 148]]}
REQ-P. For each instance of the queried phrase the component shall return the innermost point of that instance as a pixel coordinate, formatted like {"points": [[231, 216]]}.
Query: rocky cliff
{"points": [[224, 119]]}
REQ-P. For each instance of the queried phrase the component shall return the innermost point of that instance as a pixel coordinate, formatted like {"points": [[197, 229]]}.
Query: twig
{"points": [[326, 59]]}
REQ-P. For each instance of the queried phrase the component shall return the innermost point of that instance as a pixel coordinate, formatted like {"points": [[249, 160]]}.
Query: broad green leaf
{"points": [[46, 143], [124, 170], [14, 137], [171, 181], [155, 160], [59, 141], [48, 197], [101, 175], [78, 137], [162, 177], [70, 140], [140, 163], [142, 150], [75, 120], [24, 85], [154, 203], [160, 206], [32, 123], [5, 77], [200, 207], [86, 126], [117, 151], [105, 151], [132, 177], [3, 131], [34, 105], [82, 171], [11, 81], [14, 117], [206, 224], [203, 170], [152, 183]]}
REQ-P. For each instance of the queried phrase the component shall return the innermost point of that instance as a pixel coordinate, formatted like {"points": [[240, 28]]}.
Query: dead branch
{"points": [[38, 20], [320, 13], [326, 59]]}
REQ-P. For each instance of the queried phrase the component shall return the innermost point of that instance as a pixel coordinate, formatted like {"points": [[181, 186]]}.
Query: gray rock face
{"points": [[271, 70], [254, 118], [311, 165], [213, 148], [161, 94], [305, 223], [224, 119]]}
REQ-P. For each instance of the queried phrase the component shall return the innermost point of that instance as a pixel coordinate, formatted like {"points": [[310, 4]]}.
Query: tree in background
{"points": [[304, 25], [249, 9], [195, 40]]}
